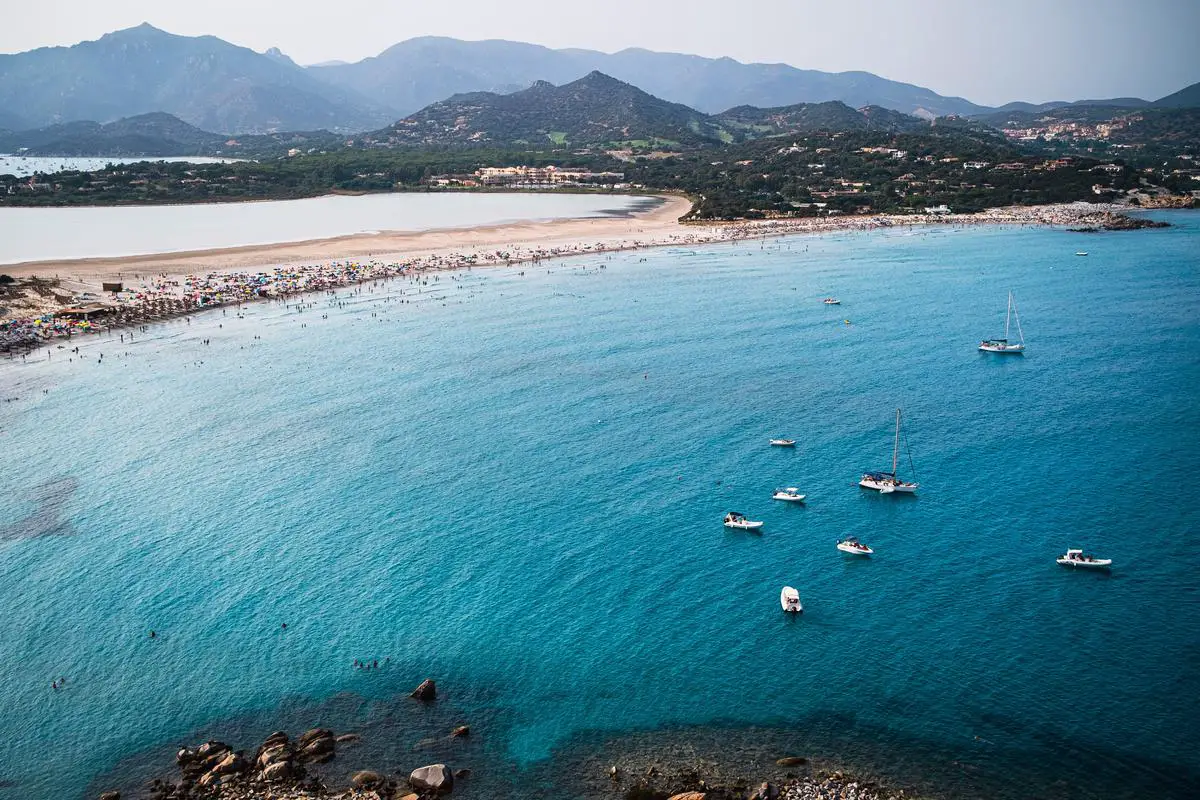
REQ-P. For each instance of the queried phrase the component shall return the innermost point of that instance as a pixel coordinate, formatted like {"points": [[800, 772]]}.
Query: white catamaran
{"points": [[887, 482], [1004, 345]]}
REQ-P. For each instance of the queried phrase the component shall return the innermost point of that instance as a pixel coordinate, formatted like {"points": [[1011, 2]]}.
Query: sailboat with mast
{"points": [[889, 482], [1004, 345]]}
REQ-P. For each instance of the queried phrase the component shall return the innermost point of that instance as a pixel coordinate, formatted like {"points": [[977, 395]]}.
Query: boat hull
{"points": [[789, 498], [884, 487], [854, 551], [1100, 563], [744, 526], [1007, 349], [783, 443]]}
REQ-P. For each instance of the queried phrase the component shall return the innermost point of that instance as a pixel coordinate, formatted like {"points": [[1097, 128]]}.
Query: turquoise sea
{"points": [[512, 481]]}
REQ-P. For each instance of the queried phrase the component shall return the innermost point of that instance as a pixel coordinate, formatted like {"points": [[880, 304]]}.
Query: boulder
{"points": [[211, 748], [460, 774], [791, 761], [765, 792], [689, 796], [410, 796], [318, 751], [273, 755], [461, 730], [434, 778], [426, 692], [231, 764], [364, 779], [347, 737], [185, 756], [278, 737], [279, 771], [111, 796], [308, 737]]}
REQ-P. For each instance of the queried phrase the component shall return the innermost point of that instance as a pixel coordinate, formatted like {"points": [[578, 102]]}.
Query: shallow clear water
{"points": [[514, 483], [37, 234]]}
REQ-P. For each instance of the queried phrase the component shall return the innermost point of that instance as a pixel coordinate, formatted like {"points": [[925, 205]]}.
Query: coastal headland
{"points": [[44, 298]]}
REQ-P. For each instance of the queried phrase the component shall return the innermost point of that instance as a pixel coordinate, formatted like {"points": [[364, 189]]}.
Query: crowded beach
{"points": [[44, 301]]}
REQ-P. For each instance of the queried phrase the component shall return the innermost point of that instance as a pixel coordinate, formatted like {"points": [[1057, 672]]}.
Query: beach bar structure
{"points": [[84, 312]]}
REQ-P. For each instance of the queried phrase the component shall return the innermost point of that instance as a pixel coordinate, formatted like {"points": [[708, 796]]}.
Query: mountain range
{"points": [[221, 87]]}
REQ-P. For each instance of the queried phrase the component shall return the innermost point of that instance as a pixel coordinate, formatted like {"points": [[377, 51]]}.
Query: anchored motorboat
{"points": [[888, 482], [1078, 558], [735, 520], [791, 494], [1081, 252], [783, 442], [831, 301], [789, 598], [853, 546]]}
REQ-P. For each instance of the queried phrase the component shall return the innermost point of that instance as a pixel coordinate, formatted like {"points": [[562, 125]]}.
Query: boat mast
{"points": [[1018, 316], [1008, 316], [896, 446]]}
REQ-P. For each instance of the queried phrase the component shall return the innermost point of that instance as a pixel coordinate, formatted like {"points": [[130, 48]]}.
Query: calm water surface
{"points": [[514, 483], [37, 234]]}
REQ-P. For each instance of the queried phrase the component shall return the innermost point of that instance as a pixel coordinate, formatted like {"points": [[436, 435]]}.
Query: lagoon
{"points": [[45, 234]]}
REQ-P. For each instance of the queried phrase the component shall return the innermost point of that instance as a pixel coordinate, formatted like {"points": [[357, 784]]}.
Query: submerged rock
{"points": [[461, 730], [364, 779], [791, 761]]}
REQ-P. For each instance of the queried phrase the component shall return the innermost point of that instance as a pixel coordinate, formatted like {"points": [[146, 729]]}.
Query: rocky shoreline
{"points": [[287, 767]]}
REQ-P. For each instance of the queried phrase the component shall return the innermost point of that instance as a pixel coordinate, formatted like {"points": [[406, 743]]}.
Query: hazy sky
{"points": [[988, 52]]}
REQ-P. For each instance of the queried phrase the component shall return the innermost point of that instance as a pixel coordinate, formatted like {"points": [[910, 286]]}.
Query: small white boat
{"points": [[791, 494], [1003, 345], [1078, 558], [735, 520], [889, 482], [831, 301], [1081, 252], [789, 598], [853, 546], [783, 443]]}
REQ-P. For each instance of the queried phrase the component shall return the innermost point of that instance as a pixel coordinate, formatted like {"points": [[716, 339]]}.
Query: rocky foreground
{"points": [[283, 767]]}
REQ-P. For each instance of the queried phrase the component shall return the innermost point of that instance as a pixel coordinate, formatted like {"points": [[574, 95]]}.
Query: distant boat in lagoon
{"points": [[1004, 345], [783, 442], [735, 520], [790, 494], [1081, 252], [853, 546]]}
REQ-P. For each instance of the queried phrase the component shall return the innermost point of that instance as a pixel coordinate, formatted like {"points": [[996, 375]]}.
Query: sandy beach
{"points": [[36, 307], [655, 224]]}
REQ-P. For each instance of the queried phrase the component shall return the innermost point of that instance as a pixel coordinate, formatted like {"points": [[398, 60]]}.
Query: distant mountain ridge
{"points": [[203, 80], [598, 109], [417, 72], [156, 134]]}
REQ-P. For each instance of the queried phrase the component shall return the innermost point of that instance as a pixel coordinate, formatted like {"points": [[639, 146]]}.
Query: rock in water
{"points": [[426, 692], [364, 779], [461, 730], [308, 737], [347, 737], [791, 761], [231, 764], [434, 778], [689, 796], [111, 796], [279, 771]]}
